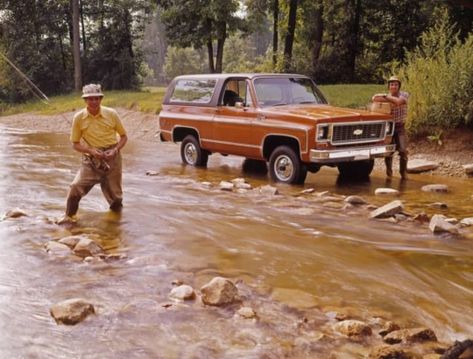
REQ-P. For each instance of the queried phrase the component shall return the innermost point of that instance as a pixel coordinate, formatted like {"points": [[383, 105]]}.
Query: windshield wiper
{"points": [[305, 102], [280, 104]]}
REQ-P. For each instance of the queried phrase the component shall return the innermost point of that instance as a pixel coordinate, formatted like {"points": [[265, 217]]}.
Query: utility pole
{"points": [[76, 45]]}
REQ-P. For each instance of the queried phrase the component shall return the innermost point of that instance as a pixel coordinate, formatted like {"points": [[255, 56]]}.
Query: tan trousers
{"points": [[91, 173]]}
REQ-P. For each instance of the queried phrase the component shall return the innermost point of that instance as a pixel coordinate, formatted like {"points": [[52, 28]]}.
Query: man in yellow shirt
{"points": [[94, 134]]}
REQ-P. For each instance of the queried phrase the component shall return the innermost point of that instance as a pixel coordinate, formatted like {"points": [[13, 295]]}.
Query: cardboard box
{"points": [[381, 107]]}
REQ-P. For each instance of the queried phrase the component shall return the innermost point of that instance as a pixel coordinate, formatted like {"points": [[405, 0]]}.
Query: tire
{"points": [[191, 152], [356, 169], [286, 167]]}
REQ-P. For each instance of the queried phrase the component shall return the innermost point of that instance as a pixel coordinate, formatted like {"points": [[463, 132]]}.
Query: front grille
{"points": [[357, 132]]}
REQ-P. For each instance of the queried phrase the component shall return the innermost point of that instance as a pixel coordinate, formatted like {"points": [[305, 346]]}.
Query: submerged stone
{"points": [[219, 291], [71, 311], [414, 335], [86, 247], [58, 249], [225, 186]]}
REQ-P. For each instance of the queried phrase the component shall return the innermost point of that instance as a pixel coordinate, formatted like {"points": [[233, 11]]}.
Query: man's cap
{"points": [[394, 79], [92, 90]]}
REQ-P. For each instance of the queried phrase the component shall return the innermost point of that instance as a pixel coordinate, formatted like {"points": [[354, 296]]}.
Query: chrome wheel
{"points": [[283, 168], [190, 153]]}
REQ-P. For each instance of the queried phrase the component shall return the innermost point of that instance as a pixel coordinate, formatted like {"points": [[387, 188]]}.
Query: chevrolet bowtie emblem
{"points": [[358, 132]]}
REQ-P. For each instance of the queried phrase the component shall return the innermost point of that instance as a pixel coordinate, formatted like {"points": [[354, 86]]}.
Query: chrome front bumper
{"points": [[351, 154]]}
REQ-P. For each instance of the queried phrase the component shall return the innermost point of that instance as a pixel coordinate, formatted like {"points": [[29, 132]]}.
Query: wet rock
{"points": [[268, 190], [236, 181], [15, 213], [459, 350], [206, 184], [57, 249], [414, 335], [219, 291], [390, 352], [113, 257], [452, 220], [466, 222], [225, 186], [439, 205], [400, 217], [355, 200], [386, 192], [438, 224], [388, 327], [422, 217], [303, 211], [177, 282], [70, 241], [71, 311], [246, 312], [182, 292], [387, 210], [243, 186], [441, 188], [241, 191], [468, 169], [152, 173], [419, 165], [348, 206], [86, 247], [352, 328], [308, 191]]}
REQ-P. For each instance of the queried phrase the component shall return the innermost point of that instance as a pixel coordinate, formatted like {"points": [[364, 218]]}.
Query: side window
{"points": [[195, 91], [234, 91]]}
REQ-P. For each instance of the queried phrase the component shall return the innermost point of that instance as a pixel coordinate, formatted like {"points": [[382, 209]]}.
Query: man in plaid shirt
{"points": [[398, 100]]}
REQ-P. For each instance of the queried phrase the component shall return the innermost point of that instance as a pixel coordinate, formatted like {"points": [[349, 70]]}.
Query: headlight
{"points": [[322, 133]]}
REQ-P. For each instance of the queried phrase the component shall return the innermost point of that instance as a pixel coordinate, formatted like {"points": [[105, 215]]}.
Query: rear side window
{"points": [[195, 91]]}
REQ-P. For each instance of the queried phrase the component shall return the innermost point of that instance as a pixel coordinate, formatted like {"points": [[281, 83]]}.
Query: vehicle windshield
{"points": [[287, 91]]}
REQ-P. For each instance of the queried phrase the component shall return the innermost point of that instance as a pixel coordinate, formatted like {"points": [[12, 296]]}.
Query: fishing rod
{"points": [[43, 98]]}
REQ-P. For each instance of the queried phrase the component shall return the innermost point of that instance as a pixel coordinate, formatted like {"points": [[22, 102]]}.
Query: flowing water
{"points": [[291, 256]]}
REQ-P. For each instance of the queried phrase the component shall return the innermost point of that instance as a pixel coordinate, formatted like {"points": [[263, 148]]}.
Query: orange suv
{"points": [[282, 119]]}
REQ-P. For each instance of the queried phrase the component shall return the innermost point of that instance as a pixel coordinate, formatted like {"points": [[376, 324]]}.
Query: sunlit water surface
{"points": [[174, 227]]}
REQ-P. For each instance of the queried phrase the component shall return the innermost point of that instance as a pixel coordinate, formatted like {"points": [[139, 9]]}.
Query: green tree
{"points": [[182, 61]]}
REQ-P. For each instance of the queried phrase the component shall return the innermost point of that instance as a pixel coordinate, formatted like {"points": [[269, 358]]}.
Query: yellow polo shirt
{"points": [[98, 131]]}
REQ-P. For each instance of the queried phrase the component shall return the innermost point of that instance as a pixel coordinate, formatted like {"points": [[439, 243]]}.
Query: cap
{"points": [[394, 79], [92, 90]]}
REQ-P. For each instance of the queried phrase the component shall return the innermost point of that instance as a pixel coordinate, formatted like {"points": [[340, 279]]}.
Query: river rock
{"points": [[225, 186], [388, 327], [388, 210], [438, 205], [468, 169], [443, 188], [352, 328], [390, 352], [240, 180], [15, 213], [386, 192], [58, 249], [308, 191], [466, 222], [414, 335], [219, 291], [206, 184], [243, 186], [246, 312], [71, 311], [422, 217], [152, 173], [268, 190], [355, 200], [182, 292], [438, 224], [419, 165], [86, 247], [460, 350], [70, 241]]}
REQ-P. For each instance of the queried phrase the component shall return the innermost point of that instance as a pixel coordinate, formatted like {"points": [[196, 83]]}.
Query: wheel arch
{"points": [[180, 132], [272, 141]]}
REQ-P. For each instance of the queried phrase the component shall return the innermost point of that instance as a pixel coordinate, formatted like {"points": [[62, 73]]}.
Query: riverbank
{"points": [[455, 150]]}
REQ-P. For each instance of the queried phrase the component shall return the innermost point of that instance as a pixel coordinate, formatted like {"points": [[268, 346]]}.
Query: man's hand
{"points": [[109, 154], [97, 153]]}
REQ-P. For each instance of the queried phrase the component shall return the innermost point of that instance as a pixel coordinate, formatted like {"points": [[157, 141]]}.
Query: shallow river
{"points": [[290, 255]]}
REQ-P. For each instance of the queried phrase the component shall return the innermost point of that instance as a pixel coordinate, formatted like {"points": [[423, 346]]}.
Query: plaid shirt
{"points": [[399, 113]]}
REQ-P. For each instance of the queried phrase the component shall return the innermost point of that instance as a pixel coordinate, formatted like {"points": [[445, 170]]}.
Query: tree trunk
{"points": [[76, 45], [275, 31], [317, 35], [222, 35], [210, 48], [84, 42], [353, 38], [291, 28]]}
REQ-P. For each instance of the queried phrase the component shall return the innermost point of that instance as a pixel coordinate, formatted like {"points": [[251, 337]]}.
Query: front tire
{"points": [[286, 167], [356, 169], [191, 152]]}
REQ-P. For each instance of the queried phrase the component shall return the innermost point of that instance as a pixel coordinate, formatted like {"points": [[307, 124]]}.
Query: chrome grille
{"points": [[360, 132]]}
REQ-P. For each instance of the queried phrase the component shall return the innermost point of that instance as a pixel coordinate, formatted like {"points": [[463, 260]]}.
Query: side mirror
{"points": [[239, 105]]}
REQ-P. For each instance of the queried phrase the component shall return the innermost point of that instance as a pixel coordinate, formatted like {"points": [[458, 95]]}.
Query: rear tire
{"points": [[286, 167], [191, 152], [356, 169]]}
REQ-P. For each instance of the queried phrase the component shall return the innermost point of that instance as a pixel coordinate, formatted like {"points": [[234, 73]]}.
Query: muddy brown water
{"points": [[290, 255]]}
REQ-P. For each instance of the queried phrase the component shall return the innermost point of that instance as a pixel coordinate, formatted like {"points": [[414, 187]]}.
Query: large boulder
{"points": [[419, 165], [71, 311], [414, 335], [388, 210], [439, 224], [219, 291]]}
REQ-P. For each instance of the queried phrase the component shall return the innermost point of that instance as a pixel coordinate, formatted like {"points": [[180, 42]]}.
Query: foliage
{"points": [[182, 61], [439, 77], [353, 95]]}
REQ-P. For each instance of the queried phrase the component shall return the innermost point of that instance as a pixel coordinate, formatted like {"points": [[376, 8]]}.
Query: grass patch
{"points": [[149, 100], [353, 96]]}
